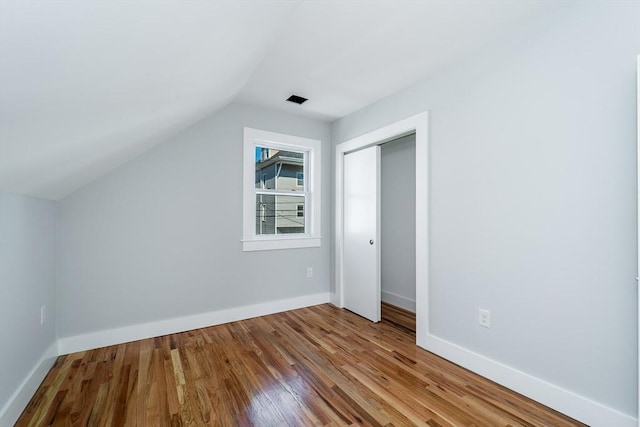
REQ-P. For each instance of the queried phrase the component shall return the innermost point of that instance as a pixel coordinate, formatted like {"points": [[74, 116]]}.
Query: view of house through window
{"points": [[280, 191], [281, 195]]}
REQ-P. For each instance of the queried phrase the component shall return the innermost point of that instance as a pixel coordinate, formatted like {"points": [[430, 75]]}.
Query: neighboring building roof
{"points": [[290, 158]]}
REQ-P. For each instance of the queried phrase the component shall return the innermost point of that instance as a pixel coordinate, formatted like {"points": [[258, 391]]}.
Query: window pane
{"points": [[279, 214], [279, 169]]}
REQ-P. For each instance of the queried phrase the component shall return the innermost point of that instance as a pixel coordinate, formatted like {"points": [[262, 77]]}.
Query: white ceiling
{"points": [[87, 85]]}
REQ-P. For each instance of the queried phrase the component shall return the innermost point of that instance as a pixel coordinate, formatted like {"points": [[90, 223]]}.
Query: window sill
{"points": [[280, 243]]}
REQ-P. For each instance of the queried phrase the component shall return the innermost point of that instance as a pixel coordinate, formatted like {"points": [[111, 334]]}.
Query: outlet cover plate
{"points": [[484, 318]]}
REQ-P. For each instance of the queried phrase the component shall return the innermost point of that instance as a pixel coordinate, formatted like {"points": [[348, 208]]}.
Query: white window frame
{"points": [[312, 147]]}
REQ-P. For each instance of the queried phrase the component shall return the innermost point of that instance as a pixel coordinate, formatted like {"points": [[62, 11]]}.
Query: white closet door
{"points": [[361, 272]]}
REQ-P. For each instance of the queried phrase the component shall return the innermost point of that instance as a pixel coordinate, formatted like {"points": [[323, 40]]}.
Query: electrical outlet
{"points": [[310, 272], [484, 318], [43, 314]]}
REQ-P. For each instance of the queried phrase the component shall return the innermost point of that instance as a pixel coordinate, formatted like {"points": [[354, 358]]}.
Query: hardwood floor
{"points": [[399, 317], [314, 366]]}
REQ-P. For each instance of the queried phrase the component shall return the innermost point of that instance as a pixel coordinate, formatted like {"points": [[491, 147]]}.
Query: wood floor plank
{"points": [[398, 316], [317, 366]]}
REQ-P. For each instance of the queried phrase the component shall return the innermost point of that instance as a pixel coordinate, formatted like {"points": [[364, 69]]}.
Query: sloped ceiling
{"points": [[87, 85]]}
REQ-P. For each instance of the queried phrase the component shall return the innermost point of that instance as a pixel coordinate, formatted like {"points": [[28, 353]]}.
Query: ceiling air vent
{"points": [[297, 99]]}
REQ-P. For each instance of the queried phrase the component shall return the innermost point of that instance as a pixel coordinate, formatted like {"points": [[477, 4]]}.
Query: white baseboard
{"points": [[20, 398], [12, 410], [565, 401], [171, 326], [334, 299], [399, 301]]}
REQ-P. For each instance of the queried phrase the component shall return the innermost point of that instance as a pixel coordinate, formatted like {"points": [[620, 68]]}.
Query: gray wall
{"points": [[398, 222], [27, 282], [533, 198], [160, 237]]}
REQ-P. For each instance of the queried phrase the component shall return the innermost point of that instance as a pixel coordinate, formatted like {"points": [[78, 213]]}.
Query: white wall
{"points": [[27, 282], [398, 222], [533, 198], [160, 237]]}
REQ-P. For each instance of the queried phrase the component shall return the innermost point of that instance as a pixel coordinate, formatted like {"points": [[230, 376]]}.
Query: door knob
{"points": [[371, 242]]}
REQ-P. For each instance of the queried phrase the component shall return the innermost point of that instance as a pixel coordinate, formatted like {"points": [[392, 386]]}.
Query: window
{"points": [[281, 191]]}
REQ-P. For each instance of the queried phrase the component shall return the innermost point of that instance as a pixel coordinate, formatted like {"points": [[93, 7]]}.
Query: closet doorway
{"points": [[398, 231], [416, 127]]}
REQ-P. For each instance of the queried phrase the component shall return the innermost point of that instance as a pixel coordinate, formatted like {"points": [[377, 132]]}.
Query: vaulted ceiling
{"points": [[87, 85]]}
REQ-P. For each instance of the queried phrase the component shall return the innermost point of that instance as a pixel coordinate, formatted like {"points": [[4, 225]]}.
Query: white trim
{"points": [[399, 301], [562, 400], [19, 400], [417, 124], [313, 212], [638, 214], [187, 323], [280, 243]]}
